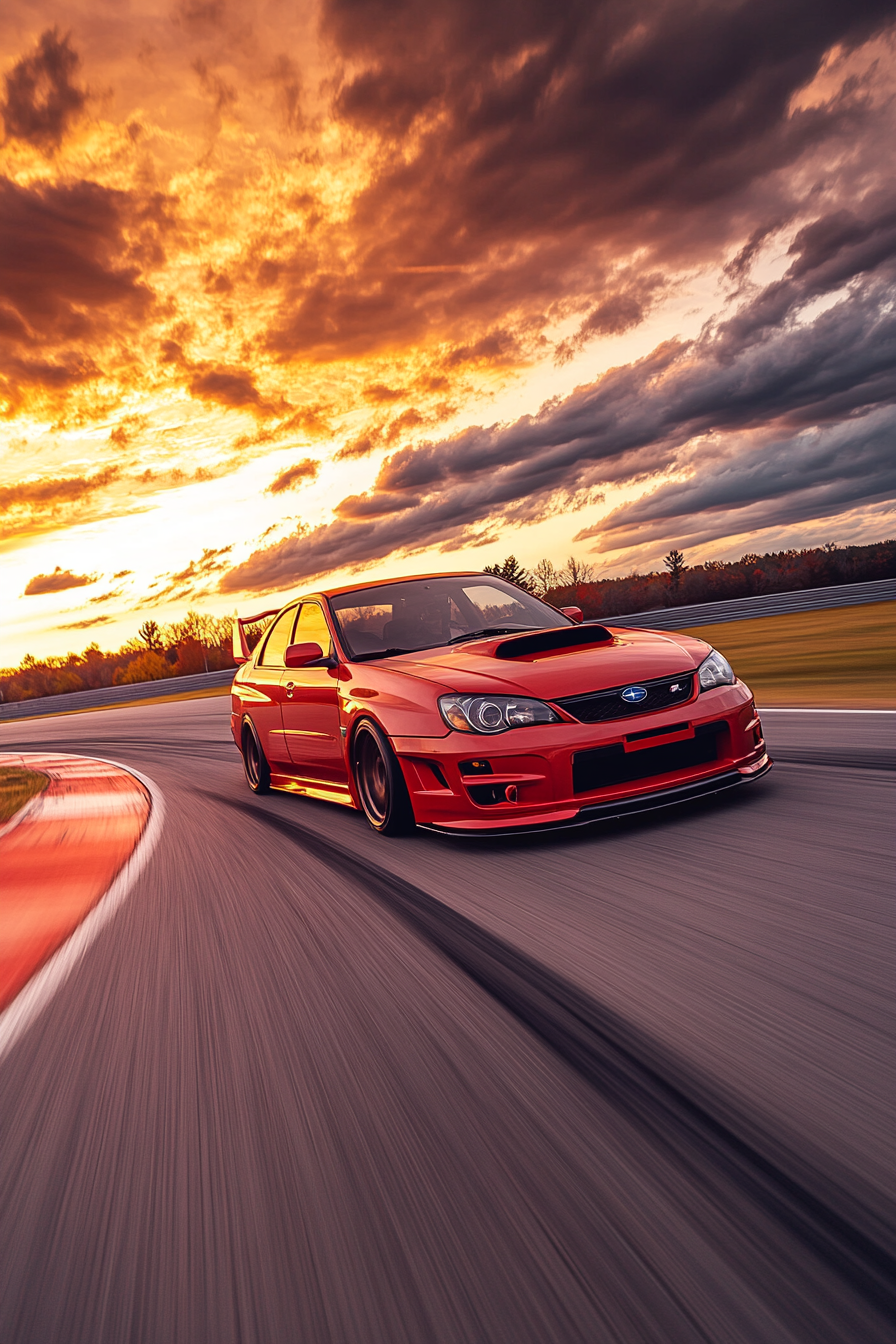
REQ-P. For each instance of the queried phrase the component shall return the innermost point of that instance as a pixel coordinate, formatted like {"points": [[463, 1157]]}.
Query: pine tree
{"points": [[674, 562], [513, 572]]}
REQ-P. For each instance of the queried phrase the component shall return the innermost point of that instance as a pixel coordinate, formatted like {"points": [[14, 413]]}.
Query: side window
{"points": [[278, 638], [312, 628]]}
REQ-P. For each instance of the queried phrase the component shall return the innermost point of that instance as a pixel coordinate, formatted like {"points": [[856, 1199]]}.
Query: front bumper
{"points": [[711, 744], [629, 807]]}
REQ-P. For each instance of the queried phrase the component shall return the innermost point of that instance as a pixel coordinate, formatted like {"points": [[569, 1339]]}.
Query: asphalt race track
{"points": [[632, 1083]]}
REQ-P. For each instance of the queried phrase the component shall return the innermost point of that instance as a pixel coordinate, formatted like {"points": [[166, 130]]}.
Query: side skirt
{"points": [[326, 793]]}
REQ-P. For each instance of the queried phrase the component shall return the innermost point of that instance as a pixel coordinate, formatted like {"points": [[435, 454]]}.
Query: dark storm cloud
{"points": [[229, 387], [213, 382], [42, 99], [814, 474], [63, 259], [67, 283], [57, 582], [522, 148], [829, 252], [618, 311], [724, 390], [549, 113]]}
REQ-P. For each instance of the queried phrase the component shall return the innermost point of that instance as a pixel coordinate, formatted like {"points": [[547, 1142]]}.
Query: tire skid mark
{"points": [[880, 759], [661, 1096]]}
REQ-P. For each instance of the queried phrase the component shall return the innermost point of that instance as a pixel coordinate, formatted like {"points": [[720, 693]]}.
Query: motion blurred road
{"points": [[631, 1083]]}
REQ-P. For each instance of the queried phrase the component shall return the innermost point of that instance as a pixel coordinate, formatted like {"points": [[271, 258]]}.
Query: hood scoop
{"points": [[553, 641]]}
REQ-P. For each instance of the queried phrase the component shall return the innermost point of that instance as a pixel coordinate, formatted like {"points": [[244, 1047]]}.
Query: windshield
{"points": [[424, 613]]}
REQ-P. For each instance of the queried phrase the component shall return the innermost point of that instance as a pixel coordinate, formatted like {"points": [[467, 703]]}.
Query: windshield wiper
{"points": [[472, 634], [379, 653], [492, 630]]}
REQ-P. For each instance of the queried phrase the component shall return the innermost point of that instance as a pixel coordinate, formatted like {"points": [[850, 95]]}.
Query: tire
{"points": [[258, 772], [379, 783]]}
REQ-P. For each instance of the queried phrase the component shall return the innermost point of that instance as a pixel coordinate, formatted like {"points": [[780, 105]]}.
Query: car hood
{"points": [[629, 656]]}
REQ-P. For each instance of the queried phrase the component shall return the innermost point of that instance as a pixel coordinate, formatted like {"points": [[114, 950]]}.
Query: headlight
{"points": [[715, 671], [493, 713]]}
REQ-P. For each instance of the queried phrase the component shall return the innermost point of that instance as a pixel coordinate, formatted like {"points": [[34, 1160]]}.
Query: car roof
{"points": [[389, 583]]}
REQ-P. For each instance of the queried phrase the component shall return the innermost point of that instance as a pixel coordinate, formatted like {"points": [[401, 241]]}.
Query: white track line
{"points": [[37, 993]]}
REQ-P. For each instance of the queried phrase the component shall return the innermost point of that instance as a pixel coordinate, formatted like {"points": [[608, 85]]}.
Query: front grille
{"points": [[604, 766], [599, 706]]}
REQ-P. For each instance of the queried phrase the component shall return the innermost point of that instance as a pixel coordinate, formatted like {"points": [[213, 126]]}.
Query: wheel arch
{"points": [[408, 780], [258, 773], [368, 716], [357, 721]]}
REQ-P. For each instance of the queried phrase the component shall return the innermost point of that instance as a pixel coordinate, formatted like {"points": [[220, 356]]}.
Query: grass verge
{"points": [[844, 657], [17, 787]]}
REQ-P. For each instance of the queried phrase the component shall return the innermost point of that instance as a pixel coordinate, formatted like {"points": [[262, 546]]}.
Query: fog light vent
{"points": [[486, 795]]}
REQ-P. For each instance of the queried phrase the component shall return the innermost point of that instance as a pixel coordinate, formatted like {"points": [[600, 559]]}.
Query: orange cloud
{"points": [[306, 470], [57, 582], [86, 625], [42, 100], [52, 492], [268, 232]]}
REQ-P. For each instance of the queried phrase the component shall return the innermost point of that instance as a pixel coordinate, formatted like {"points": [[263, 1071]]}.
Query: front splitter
{"points": [[622, 807]]}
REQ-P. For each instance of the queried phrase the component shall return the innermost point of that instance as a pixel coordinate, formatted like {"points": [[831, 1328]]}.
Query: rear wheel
{"points": [[258, 772], [379, 783]]}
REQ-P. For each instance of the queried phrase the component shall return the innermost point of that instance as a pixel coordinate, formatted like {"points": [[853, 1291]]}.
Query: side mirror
{"points": [[300, 655], [574, 613]]}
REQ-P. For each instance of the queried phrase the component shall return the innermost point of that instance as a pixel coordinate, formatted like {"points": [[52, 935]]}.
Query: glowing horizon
{"points": [[289, 295]]}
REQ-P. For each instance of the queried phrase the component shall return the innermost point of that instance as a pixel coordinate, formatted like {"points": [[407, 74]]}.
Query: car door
{"points": [[264, 709], [310, 705]]}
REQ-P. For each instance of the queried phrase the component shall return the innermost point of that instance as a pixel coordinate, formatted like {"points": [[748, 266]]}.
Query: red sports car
{"points": [[460, 702]]}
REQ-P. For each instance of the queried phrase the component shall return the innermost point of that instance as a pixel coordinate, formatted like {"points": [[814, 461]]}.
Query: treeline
{"points": [[201, 643], [198, 643], [680, 584]]}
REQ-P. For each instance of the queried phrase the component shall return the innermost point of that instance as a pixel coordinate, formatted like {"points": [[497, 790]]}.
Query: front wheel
{"points": [[258, 772], [379, 783]]}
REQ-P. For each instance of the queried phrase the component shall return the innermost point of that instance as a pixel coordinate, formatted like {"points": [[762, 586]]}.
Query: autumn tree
{"points": [[545, 577], [196, 625], [150, 633], [191, 657], [148, 666], [575, 572]]}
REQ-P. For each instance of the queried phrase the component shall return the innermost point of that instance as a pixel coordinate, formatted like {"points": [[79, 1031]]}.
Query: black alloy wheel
{"points": [[380, 785], [258, 772]]}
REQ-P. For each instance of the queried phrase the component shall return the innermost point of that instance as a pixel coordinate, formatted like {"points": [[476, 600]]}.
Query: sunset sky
{"points": [[379, 286]]}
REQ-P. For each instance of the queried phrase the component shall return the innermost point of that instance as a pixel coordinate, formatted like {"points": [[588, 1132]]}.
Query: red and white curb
{"points": [[68, 860]]}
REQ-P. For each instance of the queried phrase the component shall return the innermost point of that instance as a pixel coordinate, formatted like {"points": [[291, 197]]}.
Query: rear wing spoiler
{"points": [[241, 650]]}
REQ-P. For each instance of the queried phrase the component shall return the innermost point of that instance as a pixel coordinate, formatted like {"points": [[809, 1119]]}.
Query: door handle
{"points": [[290, 687]]}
